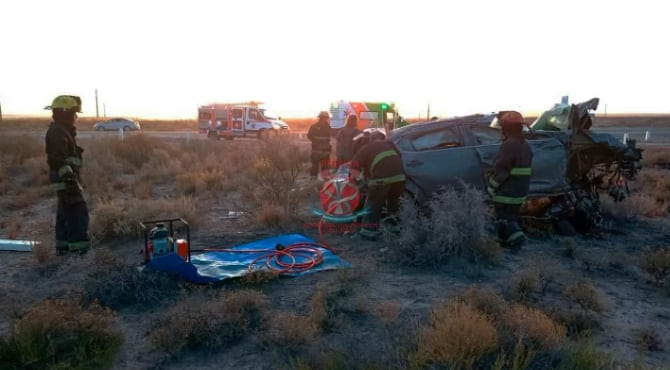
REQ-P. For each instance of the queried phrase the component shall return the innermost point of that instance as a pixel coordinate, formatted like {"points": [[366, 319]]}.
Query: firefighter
{"points": [[377, 163], [64, 158], [345, 139], [319, 134], [509, 182]]}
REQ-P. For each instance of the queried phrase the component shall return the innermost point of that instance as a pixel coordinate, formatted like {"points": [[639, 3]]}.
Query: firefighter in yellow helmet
{"points": [[509, 182], [64, 158]]}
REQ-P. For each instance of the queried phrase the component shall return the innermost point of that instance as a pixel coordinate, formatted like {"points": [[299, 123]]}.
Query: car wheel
{"points": [[100, 128], [263, 134], [126, 128]]}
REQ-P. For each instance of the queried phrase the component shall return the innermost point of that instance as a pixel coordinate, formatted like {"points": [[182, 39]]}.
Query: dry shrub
{"points": [[197, 324], [533, 327], [275, 169], [20, 199], [657, 264], [16, 149], [586, 296], [649, 339], [63, 335], [11, 228], [388, 312], [118, 219], [484, 299], [331, 304], [457, 335], [584, 356], [655, 156], [289, 329], [143, 189], [44, 254], [135, 150], [524, 283], [456, 224], [270, 215], [116, 284]]}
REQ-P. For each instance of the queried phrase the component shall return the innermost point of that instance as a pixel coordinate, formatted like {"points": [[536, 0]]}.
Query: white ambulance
{"points": [[231, 120]]}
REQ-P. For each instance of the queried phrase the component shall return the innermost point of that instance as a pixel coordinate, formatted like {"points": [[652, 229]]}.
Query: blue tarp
{"points": [[215, 266]]}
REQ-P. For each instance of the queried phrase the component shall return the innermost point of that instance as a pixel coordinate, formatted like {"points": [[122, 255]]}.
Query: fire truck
{"points": [[377, 116], [231, 120]]}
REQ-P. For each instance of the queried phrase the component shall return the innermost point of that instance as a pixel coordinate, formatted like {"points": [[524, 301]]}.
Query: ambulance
{"points": [[372, 116], [231, 120]]}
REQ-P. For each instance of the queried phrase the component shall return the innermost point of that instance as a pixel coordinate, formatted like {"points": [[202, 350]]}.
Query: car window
{"points": [[485, 135], [437, 139]]}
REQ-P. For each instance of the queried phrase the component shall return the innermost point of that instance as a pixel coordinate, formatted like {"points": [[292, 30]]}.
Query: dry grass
{"points": [[455, 225], [656, 263], [198, 324], [524, 283], [117, 284], [119, 219], [584, 294], [288, 329], [484, 299], [458, 335], [649, 339], [388, 313], [533, 327], [62, 335]]}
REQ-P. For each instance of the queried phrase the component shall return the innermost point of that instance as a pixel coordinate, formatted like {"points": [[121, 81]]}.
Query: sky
{"points": [[162, 59]]}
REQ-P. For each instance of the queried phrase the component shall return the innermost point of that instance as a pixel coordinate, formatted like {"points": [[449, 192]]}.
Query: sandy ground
{"points": [[608, 261]]}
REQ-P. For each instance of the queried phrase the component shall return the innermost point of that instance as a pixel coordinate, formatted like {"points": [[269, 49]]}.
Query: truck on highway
{"points": [[231, 120]]}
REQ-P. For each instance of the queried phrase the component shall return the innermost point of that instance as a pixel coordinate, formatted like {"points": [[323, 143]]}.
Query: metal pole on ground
{"points": [[96, 104], [647, 136], [121, 133], [625, 138]]}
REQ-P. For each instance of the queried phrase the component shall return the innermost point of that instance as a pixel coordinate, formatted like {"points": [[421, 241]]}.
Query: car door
{"points": [[549, 159], [439, 157]]}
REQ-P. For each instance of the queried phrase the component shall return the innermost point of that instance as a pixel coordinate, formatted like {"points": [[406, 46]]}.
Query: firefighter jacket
{"points": [[380, 162], [319, 135], [64, 157], [345, 143], [510, 181]]}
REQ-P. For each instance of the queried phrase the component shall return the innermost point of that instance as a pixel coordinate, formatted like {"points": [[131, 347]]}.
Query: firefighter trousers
{"points": [[376, 198], [319, 159], [72, 219], [507, 222]]}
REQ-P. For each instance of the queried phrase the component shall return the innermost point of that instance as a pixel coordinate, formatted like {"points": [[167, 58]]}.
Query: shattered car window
{"points": [[438, 139], [485, 135]]}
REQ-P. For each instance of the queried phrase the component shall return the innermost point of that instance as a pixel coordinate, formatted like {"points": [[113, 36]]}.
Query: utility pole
{"points": [[104, 109], [428, 112], [96, 104], [0, 113]]}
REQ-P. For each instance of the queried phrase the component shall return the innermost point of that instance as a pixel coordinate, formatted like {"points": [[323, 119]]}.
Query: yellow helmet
{"points": [[66, 102]]}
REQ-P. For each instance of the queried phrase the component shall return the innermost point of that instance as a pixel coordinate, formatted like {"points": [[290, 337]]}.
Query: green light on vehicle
{"points": [[384, 106]]}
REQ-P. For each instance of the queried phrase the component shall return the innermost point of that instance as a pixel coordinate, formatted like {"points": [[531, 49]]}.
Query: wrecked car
{"points": [[571, 166]]}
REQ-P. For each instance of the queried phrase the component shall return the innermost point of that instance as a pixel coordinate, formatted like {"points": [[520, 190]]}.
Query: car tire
{"points": [[99, 128], [126, 128], [263, 134]]}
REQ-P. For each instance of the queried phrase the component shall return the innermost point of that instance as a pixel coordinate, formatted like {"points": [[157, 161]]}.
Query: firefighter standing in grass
{"points": [[319, 134], [384, 180], [509, 183], [64, 158]]}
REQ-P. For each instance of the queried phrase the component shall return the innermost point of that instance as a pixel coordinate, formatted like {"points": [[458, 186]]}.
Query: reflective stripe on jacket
{"points": [[380, 162], [512, 171]]}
